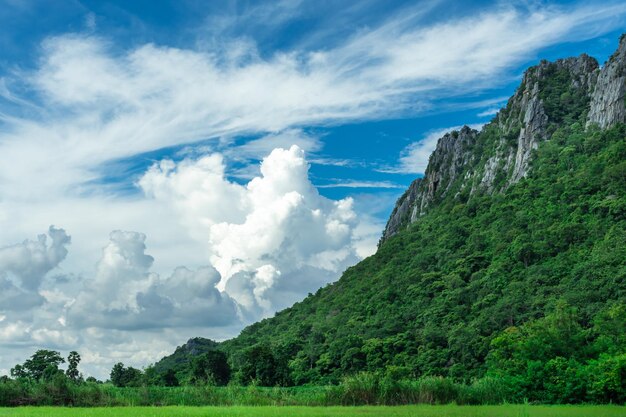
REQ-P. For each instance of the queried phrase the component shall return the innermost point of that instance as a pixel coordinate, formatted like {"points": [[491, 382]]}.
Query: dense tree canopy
{"points": [[43, 364]]}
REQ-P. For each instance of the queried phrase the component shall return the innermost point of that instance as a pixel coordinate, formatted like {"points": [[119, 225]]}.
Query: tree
{"points": [[43, 364], [259, 364], [19, 372], [125, 377], [133, 377], [117, 374], [210, 367], [169, 378], [72, 369]]}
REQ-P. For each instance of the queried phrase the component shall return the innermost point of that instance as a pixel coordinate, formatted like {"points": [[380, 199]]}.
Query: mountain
{"points": [[506, 259], [552, 94]]}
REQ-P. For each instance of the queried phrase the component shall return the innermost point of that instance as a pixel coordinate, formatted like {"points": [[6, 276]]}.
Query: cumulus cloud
{"points": [[272, 239], [31, 260], [23, 267], [124, 294], [275, 235]]}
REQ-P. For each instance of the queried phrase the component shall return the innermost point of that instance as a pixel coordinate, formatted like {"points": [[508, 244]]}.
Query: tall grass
{"points": [[361, 389], [364, 389]]}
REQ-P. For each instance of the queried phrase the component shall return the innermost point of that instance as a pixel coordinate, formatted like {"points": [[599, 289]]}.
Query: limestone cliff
{"points": [[552, 94], [608, 101]]}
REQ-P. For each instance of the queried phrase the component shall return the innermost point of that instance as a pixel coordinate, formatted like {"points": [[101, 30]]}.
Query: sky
{"points": [[172, 169]]}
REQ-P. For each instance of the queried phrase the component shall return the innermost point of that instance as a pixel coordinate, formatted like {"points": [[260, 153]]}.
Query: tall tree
{"points": [[43, 363], [72, 369]]}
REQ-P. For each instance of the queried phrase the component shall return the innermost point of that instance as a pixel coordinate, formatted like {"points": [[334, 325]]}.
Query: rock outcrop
{"points": [[467, 162], [608, 101], [528, 109], [452, 154]]}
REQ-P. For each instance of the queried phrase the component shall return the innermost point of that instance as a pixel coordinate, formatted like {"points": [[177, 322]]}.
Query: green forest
{"points": [[514, 296], [528, 286]]}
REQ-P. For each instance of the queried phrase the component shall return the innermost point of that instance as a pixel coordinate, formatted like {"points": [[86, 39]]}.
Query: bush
{"points": [[607, 379]]}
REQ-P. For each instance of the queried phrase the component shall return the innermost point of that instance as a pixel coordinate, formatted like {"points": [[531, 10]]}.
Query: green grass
{"points": [[399, 411]]}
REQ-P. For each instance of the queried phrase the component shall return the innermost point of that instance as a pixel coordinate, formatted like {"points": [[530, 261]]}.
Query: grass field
{"points": [[394, 411]]}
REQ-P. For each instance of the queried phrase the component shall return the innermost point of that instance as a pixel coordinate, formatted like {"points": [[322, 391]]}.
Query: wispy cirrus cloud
{"points": [[360, 184], [102, 104]]}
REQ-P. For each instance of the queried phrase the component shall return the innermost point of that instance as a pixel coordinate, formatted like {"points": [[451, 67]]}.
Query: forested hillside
{"points": [[507, 260]]}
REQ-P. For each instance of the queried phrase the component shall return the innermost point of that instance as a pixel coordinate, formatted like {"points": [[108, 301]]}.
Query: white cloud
{"points": [[489, 112], [90, 22], [101, 104], [276, 232], [14, 332], [361, 184], [31, 260], [24, 266], [259, 148], [284, 240], [125, 294]]}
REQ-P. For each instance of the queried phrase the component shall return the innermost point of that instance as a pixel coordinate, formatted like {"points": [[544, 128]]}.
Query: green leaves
{"points": [[43, 364]]}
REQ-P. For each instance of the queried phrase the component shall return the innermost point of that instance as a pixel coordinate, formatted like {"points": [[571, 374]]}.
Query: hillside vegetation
{"points": [[530, 284], [523, 280]]}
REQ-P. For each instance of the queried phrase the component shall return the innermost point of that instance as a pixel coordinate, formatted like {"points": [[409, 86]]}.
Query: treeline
{"points": [[555, 359], [550, 360], [208, 368], [380, 388]]}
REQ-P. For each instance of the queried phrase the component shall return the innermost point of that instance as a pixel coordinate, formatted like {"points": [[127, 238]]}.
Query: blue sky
{"points": [[156, 137], [371, 143]]}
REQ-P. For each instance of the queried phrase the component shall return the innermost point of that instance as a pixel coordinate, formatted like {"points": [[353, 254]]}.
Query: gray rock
{"points": [[458, 164], [446, 163], [608, 101]]}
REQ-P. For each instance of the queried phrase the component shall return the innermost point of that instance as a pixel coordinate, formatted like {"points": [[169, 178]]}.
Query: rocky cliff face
{"points": [[467, 162], [453, 152], [608, 104], [530, 115]]}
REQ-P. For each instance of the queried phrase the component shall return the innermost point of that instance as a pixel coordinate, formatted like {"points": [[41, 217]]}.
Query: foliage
{"points": [[210, 368], [43, 364], [564, 103], [271, 411], [433, 298], [72, 366], [177, 367], [126, 377]]}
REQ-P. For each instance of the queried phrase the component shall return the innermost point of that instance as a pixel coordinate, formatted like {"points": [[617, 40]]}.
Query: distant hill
{"points": [[180, 359]]}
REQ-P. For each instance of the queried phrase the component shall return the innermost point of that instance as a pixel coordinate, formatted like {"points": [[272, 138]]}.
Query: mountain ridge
{"points": [[523, 123]]}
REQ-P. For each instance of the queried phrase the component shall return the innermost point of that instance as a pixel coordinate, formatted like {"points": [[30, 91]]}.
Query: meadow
{"points": [[386, 411]]}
